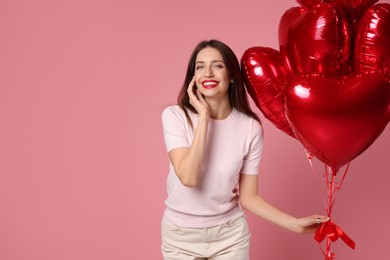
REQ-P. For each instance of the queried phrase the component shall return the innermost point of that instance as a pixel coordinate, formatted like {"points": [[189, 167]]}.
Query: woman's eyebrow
{"points": [[213, 61]]}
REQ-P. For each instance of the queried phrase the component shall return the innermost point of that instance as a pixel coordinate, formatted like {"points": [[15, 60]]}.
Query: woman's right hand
{"points": [[197, 100]]}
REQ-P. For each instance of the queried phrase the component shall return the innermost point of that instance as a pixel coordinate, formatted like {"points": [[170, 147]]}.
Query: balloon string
{"points": [[331, 188], [309, 158], [330, 230], [345, 173]]}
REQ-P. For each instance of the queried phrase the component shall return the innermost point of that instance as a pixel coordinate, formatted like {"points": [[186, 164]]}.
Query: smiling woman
{"points": [[214, 142], [82, 158]]}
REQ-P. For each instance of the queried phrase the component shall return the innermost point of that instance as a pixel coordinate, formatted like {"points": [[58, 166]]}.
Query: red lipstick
{"points": [[208, 84]]}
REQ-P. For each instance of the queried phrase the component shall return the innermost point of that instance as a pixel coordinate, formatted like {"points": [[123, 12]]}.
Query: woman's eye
{"points": [[219, 66], [198, 67]]}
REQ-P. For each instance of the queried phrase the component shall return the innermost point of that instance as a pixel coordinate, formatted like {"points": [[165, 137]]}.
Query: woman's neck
{"points": [[219, 109]]}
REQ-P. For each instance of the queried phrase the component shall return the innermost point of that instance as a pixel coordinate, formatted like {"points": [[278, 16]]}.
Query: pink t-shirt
{"points": [[233, 146]]}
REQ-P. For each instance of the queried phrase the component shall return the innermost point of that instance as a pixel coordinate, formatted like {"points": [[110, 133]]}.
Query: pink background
{"points": [[82, 158]]}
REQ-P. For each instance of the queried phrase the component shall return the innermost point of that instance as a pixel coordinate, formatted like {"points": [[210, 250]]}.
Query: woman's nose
{"points": [[209, 72]]}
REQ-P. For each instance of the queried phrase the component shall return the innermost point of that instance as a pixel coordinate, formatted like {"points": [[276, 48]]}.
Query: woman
{"points": [[214, 142]]}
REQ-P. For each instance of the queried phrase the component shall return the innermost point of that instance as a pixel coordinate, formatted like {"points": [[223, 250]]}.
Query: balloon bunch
{"points": [[328, 85]]}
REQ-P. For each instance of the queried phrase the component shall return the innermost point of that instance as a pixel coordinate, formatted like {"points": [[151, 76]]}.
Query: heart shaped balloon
{"points": [[316, 41], [338, 119], [372, 46], [263, 69], [353, 9], [309, 3], [288, 18], [346, 5]]}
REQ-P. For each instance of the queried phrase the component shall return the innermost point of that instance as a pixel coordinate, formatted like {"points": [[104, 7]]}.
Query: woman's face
{"points": [[211, 75]]}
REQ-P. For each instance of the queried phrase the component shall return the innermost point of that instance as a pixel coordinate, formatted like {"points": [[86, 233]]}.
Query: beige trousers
{"points": [[224, 242]]}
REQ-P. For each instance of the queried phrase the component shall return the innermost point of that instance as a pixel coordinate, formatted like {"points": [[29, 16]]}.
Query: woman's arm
{"points": [[187, 162], [252, 201]]}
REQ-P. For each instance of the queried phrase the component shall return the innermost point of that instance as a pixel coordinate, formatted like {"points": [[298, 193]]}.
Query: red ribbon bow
{"points": [[333, 232]]}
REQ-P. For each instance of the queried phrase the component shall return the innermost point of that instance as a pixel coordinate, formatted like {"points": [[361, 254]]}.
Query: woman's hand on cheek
{"points": [[197, 100]]}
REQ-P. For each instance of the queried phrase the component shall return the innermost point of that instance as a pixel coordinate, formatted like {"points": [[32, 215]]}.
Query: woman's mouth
{"points": [[208, 84]]}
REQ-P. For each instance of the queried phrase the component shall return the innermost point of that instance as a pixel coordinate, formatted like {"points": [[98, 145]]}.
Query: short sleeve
{"points": [[174, 127], [252, 158]]}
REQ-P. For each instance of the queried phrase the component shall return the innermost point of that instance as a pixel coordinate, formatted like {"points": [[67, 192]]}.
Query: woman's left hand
{"points": [[310, 224]]}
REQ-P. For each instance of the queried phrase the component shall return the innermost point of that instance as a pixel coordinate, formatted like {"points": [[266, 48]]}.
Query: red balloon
{"points": [[288, 18], [337, 119], [317, 41], [353, 9], [265, 75], [348, 6], [308, 3], [372, 46]]}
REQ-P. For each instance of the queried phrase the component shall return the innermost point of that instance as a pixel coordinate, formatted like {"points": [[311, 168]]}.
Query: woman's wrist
{"points": [[204, 116], [296, 227]]}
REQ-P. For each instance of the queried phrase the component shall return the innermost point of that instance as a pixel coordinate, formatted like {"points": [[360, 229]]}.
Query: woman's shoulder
{"points": [[244, 117], [247, 122], [171, 108], [173, 111]]}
